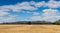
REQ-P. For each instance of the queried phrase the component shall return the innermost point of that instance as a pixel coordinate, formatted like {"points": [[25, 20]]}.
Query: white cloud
{"points": [[53, 4], [50, 14], [27, 5], [50, 4], [40, 4], [35, 18], [4, 12], [19, 7], [35, 13], [47, 15], [32, 2], [9, 19]]}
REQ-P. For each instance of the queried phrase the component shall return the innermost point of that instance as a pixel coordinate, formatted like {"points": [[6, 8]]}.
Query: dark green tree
{"points": [[57, 22]]}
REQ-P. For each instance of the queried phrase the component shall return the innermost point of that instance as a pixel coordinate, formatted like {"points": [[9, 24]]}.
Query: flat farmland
{"points": [[19, 28]]}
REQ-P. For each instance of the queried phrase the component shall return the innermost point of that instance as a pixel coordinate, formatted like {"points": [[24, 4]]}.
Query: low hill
{"points": [[28, 22]]}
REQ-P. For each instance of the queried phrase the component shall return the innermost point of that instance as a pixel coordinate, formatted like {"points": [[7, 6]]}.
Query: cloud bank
{"points": [[51, 14]]}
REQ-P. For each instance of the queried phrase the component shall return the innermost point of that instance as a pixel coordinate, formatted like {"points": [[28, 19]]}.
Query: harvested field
{"points": [[29, 28]]}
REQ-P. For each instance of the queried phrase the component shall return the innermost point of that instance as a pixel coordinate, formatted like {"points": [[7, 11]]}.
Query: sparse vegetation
{"points": [[34, 22], [57, 22]]}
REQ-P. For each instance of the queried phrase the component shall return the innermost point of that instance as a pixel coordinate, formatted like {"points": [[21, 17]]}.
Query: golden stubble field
{"points": [[29, 28]]}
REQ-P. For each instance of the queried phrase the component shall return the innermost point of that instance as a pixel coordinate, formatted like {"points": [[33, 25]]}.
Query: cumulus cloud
{"points": [[9, 19], [4, 12], [18, 7], [36, 18], [48, 14], [51, 15], [50, 4], [35, 13], [40, 4], [53, 4], [31, 5]]}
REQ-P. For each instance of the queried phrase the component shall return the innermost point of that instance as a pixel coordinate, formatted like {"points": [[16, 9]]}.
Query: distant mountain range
{"points": [[28, 22]]}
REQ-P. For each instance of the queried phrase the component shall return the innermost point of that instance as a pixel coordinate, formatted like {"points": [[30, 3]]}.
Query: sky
{"points": [[29, 10]]}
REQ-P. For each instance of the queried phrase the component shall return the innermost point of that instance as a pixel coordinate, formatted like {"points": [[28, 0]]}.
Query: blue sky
{"points": [[29, 10]]}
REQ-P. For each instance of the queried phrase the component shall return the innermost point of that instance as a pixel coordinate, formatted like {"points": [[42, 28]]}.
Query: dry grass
{"points": [[29, 28]]}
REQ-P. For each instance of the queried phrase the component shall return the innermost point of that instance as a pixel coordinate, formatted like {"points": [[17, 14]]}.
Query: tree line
{"points": [[57, 22], [34, 22]]}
